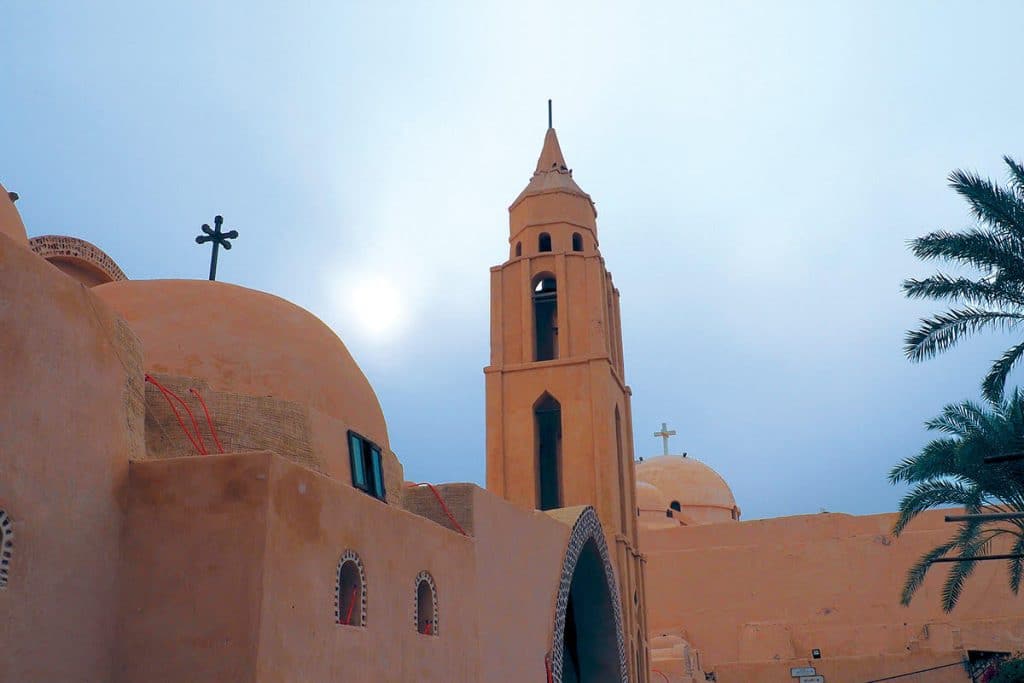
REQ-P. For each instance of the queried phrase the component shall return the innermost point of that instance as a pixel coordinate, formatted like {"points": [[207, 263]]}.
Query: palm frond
{"points": [[982, 249], [917, 573], [1016, 176], [942, 286], [970, 547], [995, 380], [936, 459], [932, 494], [944, 330], [964, 419], [1016, 564], [990, 203]]}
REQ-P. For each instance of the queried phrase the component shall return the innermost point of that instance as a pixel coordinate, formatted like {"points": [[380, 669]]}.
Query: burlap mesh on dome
{"points": [[243, 423], [420, 500]]}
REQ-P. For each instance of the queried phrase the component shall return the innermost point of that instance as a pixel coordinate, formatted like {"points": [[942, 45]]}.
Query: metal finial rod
{"points": [[218, 238], [549, 115]]}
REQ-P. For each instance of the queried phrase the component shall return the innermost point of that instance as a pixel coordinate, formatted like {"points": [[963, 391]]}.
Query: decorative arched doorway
{"points": [[587, 644]]}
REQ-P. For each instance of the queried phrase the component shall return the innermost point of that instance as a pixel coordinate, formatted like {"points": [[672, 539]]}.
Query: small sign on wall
{"points": [[797, 672], [812, 679]]}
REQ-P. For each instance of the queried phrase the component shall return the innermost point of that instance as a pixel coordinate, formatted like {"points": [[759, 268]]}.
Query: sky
{"points": [[758, 168]]}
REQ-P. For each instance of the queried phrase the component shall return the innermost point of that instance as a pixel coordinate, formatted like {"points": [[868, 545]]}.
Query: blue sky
{"points": [[757, 167]]}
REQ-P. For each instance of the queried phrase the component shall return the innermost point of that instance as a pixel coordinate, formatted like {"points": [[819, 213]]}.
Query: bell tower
{"points": [[559, 425]]}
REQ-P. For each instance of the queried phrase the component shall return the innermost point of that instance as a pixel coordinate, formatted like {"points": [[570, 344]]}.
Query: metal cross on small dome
{"points": [[218, 238], [664, 434]]}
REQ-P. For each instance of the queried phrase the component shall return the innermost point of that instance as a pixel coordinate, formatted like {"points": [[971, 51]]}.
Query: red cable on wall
{"points": [[444, 507], [167, 394], [209, 422], [351, 605], [547, 667]]}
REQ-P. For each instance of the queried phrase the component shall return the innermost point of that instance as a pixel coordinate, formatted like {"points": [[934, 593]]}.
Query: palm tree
{"points": [[992, 300], [950, 471]]}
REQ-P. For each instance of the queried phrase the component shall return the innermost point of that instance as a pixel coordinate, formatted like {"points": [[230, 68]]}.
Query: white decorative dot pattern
{"points": [[6, 547]]}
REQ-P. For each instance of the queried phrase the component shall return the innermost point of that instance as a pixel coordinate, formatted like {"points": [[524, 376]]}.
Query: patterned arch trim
{"points": [[6, 546], [353, 557], [586, 528], [425, 576], [78, 250]]}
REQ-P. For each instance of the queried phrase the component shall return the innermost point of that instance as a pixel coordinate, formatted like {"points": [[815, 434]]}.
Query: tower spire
{"points": [[550, 126]]}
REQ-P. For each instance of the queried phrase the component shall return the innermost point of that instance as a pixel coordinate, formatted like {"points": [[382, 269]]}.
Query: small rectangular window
{"points": [[367, 465], [377, 467], [355, 449]]}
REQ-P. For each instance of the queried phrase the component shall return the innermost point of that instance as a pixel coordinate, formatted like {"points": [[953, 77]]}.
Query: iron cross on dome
{"points": [[218, 238]]}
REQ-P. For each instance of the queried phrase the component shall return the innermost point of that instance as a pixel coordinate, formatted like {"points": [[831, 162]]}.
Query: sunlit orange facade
{"points": [[197, 484]]}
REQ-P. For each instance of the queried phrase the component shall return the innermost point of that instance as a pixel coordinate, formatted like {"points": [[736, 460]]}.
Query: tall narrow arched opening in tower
{"points": [[620, 467], [589, 646], [545, 317], [547, 419]]}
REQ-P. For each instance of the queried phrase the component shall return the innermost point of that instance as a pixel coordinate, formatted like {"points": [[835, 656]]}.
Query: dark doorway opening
{"points": [[545, 318], [544, 242], [547, 414], [589, 647]]}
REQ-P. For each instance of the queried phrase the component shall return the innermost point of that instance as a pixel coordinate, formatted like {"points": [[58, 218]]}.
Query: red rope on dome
{"points": [[443, 507], [547, 667], [168, 394], [209, 422]]}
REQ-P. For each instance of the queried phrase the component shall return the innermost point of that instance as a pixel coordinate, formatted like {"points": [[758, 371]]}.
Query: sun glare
{"points": [[376, 305]]}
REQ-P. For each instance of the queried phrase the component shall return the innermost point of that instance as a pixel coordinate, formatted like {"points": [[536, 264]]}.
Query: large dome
{"points": [[691, 487], [247, 342], [10, 219]]}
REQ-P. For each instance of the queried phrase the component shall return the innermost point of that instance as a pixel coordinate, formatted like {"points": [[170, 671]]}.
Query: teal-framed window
{"points": [[367, 465]]}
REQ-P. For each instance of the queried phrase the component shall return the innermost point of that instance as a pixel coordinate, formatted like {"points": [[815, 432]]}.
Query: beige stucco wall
{"points": [[518, 567], [192, 567], [312, 520], [771, 590], [70, 419]]}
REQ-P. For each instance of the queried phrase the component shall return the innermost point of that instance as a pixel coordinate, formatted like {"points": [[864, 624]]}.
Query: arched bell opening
{"points": [[545, 317]]}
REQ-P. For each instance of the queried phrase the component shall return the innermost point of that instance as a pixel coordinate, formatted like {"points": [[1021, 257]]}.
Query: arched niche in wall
{"points": [[425, 605], [350, 592]]}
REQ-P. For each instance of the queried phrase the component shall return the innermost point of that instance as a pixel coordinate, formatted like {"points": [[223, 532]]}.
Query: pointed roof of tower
{"points": [[552, 173]]}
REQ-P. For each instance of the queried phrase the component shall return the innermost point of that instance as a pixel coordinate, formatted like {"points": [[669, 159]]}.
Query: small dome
{"points": [[648, 497], [652, 508], [10, 219], [247, 342], [690, 487]]}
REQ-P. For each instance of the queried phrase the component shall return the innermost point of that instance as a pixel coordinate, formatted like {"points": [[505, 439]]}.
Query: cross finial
{"points": [[549, 115], [664, 434], [218, 238]]}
